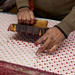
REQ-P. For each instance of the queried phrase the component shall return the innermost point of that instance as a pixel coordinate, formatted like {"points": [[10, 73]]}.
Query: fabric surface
{"points": [[2, 1], [18, 48], [13, 69]]}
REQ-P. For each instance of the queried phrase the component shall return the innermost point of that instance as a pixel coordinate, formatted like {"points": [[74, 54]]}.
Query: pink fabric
{"points": [[18, 48]]}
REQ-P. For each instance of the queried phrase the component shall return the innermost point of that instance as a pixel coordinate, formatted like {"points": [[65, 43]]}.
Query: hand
{"points": [[53, 39], [26, 16]]}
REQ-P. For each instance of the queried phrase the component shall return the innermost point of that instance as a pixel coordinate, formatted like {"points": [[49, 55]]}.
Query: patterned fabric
{"points": [[7, 5], [12, 69], [2, 1], [18, 48]]}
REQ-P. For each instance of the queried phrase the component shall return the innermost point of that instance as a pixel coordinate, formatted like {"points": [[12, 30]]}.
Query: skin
{"points": [[26, 16], [52, 38]]}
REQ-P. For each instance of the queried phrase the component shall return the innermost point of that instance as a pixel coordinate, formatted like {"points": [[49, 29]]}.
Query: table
{"points": [[18, 50]]}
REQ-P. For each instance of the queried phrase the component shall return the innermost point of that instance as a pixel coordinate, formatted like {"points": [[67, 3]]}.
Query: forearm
{"points": [[21, 3], [68, 23]]}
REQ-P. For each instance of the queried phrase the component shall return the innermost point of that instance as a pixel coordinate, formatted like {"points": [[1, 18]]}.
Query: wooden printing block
{"points": [[27, 29], [30, 29], [36, 30], [39, 28], [22, 28], [41, 23]]}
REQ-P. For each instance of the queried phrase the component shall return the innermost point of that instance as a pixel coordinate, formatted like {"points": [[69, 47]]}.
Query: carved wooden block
{"points": [[39, 28]]}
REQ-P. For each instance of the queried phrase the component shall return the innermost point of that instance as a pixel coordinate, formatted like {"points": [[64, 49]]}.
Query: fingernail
{"points": [[36, 43], [32, 23], [38, 52], [40, 48], [33, 19], [27, 23], [8, 30], [19, 21], [24, 22]]}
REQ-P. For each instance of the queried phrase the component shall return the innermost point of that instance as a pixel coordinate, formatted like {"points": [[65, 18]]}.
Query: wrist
{"points": [[23, 7], [61, 31]]}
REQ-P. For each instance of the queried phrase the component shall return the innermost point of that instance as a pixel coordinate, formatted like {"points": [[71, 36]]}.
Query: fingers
{"points": [[23, 19], [32, 18], [47, 45], [19, 18], [40, 40], [52, 49], [26, 17], [53, 39], [44, 46]]}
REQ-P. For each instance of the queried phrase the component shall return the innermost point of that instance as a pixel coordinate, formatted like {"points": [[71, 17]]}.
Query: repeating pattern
{"points": [[19, 48]]}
